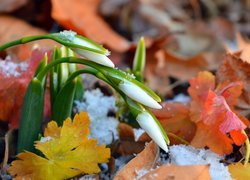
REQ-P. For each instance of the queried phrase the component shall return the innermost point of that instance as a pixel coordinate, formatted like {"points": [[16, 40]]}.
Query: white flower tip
{"points": [[156, 106], [147, 122], [96, 57], [164, 147], [138, 94]]}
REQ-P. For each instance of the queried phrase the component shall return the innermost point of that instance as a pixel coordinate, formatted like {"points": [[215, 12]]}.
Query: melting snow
{"points": [[9, 68], [97, 105], [187, 155]]}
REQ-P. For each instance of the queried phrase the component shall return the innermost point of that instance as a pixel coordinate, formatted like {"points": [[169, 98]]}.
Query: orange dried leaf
{"points": [[197, 172], [144, 160], [214, 115], [174, 118], [84, 19], [239, 171], [68, 152]]}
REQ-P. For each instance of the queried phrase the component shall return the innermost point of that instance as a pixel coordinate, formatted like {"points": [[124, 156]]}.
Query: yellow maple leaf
{"points": [[239, 171], [68, 152]]}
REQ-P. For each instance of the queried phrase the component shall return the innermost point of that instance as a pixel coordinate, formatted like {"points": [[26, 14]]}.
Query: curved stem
{"points": [[23, 40], [76, 60], [48, 36]]}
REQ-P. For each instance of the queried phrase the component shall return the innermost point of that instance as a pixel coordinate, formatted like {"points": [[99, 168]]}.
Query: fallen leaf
{"points": [[13, 88], [144, 160], [8, 32], [174, 117], [176, 65], [236, 69], [212, 109], [169, 171], [11, 5], [126, 144], [242, 49], [68, 152], [89, 24], [126, 132], [239, 171]]}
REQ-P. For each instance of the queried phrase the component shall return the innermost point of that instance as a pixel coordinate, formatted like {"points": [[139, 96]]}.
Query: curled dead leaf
{"points": [[144, 160]]}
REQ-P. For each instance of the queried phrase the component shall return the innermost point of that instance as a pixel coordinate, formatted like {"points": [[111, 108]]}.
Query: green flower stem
{"points": [[75, 60], [47, 36], [111, 73], [23, 41]]}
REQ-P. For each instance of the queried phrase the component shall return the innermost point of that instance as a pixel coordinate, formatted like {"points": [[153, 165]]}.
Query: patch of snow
{"points": [[9, 68], [187, 155], [180, 98], [102, 127], [67, 35], [46, 139], [138, 132]]}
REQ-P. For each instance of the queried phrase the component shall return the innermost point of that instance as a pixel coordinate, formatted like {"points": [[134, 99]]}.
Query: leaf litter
{"points": [[176, 53]]}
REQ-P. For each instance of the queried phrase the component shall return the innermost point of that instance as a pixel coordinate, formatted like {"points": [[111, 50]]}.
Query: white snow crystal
{"points": [[67, 35], [187, 155], [9, 68], [97, 105], [46, 139]]}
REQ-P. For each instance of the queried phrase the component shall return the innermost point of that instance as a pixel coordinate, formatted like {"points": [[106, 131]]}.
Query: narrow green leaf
{"points": [[139, 60], [31, 116], [79, 89], [62, 107], [53, 77]]}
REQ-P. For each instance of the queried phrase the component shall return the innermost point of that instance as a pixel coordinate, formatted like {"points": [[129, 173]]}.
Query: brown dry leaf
{"points": [[243, 48], [125, 132], [12, 28], [83, 18], [155, 70], [126, 145], [11, 5], [177, 66], [234, 68], [175, 119], [169, 172], [143, 161]]}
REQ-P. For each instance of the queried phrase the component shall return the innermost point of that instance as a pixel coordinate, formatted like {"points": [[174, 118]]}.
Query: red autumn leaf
{"points": [[212, 111], [13, 88]]}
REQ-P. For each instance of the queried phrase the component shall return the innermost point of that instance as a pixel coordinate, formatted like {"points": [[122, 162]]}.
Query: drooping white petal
{"points": [[138, 94], [147, 122], [96, 57]]}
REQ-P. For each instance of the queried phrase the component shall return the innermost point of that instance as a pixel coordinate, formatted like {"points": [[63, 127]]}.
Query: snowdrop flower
{"points": [[138, 94], [84, 47], [149, 124]]}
